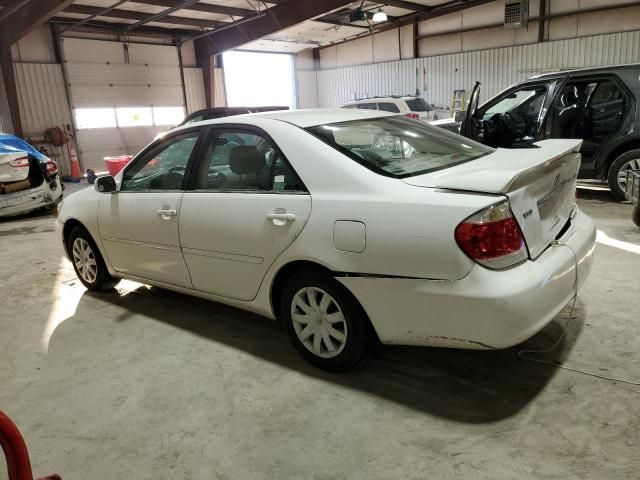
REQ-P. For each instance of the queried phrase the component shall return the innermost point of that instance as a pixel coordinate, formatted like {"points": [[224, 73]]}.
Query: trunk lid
{"points": [[15, 172], [539, 182]]}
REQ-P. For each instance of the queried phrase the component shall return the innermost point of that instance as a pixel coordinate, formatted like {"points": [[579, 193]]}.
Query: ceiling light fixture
{"points": [[379, 16]]}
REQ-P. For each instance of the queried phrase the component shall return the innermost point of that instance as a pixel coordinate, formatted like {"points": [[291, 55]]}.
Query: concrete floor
{"points": [[145, 383]]}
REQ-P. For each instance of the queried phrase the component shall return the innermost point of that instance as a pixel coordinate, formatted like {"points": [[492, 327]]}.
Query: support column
{"points": [[11, 89]]}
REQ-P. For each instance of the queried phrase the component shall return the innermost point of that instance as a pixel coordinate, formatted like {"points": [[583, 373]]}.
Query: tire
{"points": [[88, 262], [630, 159], [324, 327]]}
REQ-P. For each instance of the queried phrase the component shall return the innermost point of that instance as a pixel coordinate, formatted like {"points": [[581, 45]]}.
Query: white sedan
{"points": [[347, 225]]}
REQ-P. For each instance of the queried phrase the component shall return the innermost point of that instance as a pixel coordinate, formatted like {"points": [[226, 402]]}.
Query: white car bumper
{"points": [[487, 309], [22, 202]]}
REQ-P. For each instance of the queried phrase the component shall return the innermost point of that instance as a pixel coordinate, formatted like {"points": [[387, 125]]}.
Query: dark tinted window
{"points": [[388, 107], [607, 92], [367, 106], [397, 146], [418, 105]]}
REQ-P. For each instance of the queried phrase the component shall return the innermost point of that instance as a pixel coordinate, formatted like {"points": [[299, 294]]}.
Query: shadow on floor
{"points": [[460, 385]]}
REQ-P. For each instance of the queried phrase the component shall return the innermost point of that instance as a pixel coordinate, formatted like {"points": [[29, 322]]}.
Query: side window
{"points": [[514, 118], [587, 109], [367, 106], [388, 107], [196, 118], [525, 101], [162, 168], [237, 160]]}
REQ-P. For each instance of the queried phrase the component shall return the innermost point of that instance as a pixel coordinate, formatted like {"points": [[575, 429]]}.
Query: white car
{"points": [[347, 225], [409, 106]]}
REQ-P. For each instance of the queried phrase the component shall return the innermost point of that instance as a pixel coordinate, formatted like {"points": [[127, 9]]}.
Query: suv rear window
{"points": [[397, 146], [418, 105]]}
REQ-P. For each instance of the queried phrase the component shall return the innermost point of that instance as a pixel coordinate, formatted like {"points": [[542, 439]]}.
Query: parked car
{"points": [[28, 179], [425, 238], [598, 105], [219, 112], [409, 106]]}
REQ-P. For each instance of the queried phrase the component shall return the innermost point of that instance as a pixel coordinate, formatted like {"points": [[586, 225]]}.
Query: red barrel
{"points": [[115, 164]]}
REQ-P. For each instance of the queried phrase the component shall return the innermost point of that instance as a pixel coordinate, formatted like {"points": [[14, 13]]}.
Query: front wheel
{"points": [[617, 176], [325, 323], [88, 262]]}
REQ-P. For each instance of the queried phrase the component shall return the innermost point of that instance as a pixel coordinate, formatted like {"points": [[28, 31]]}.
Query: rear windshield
{"points": [[398, 146], [418, 105]]}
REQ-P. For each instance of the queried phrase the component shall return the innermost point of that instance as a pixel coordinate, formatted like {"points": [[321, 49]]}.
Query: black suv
{"points": [[219, 112], [598, 105]]}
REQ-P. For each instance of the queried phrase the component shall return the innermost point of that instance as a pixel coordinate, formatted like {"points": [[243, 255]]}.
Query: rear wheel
{"points": [[325, 323], [617, 176], [88, 262]]}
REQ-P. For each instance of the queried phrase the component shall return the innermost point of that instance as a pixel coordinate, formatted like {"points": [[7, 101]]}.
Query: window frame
{"points": [[592, 77], [214, 131], [160, 145]]}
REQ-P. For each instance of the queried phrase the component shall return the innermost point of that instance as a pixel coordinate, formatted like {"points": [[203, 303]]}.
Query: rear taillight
{"points": [[52, 167], [412, 115], [492, 237], [22, 162]]}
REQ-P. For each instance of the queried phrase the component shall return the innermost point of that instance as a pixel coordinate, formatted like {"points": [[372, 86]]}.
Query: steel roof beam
{"points": [[131, 15]]}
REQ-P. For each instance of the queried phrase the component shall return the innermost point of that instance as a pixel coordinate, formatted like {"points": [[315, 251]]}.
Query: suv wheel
{"points": [[617, 176], [325, 323]]}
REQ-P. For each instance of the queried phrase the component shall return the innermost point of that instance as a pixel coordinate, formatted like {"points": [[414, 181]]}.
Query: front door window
{"points": [[514, 119], [163, 168]]}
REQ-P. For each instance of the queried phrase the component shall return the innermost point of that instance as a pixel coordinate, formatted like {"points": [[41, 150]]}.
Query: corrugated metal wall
{"points": [[43, 103], [495, 68], [194, 89], [307, 89]]}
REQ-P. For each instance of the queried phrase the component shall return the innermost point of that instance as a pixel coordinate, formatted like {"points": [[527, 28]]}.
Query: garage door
{"points": [[122, 95]]}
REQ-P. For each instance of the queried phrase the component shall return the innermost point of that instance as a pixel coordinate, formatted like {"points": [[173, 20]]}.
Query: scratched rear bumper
{"points": [[485, 310]]}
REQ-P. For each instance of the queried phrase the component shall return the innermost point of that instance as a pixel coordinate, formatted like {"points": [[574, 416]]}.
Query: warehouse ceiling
{"points": [[191, 18]]}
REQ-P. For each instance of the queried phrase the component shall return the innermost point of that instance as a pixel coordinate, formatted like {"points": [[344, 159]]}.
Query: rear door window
{"points": [[367, 106], [388, 107]]}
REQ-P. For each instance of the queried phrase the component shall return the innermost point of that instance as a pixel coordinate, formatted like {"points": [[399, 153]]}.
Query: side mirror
{"points": [[106, 184], [459, 116]]}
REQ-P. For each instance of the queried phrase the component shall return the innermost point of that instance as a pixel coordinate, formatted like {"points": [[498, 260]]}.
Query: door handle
{"points": [[287, 217], [167, 212]]}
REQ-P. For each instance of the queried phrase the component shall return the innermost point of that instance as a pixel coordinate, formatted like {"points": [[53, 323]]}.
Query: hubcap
{"points": [[622, 173], [84, 260], [319, 322]]}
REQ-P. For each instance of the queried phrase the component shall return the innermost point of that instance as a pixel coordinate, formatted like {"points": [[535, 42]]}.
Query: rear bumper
{"points": [[22, 202], [487, 309]]}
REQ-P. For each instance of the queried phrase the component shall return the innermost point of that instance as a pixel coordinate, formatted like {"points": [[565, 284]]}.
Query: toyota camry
{"points": [[347, 225]]}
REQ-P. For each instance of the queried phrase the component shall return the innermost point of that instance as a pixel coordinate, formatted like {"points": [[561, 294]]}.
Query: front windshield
{"points": [[398, 146]]}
